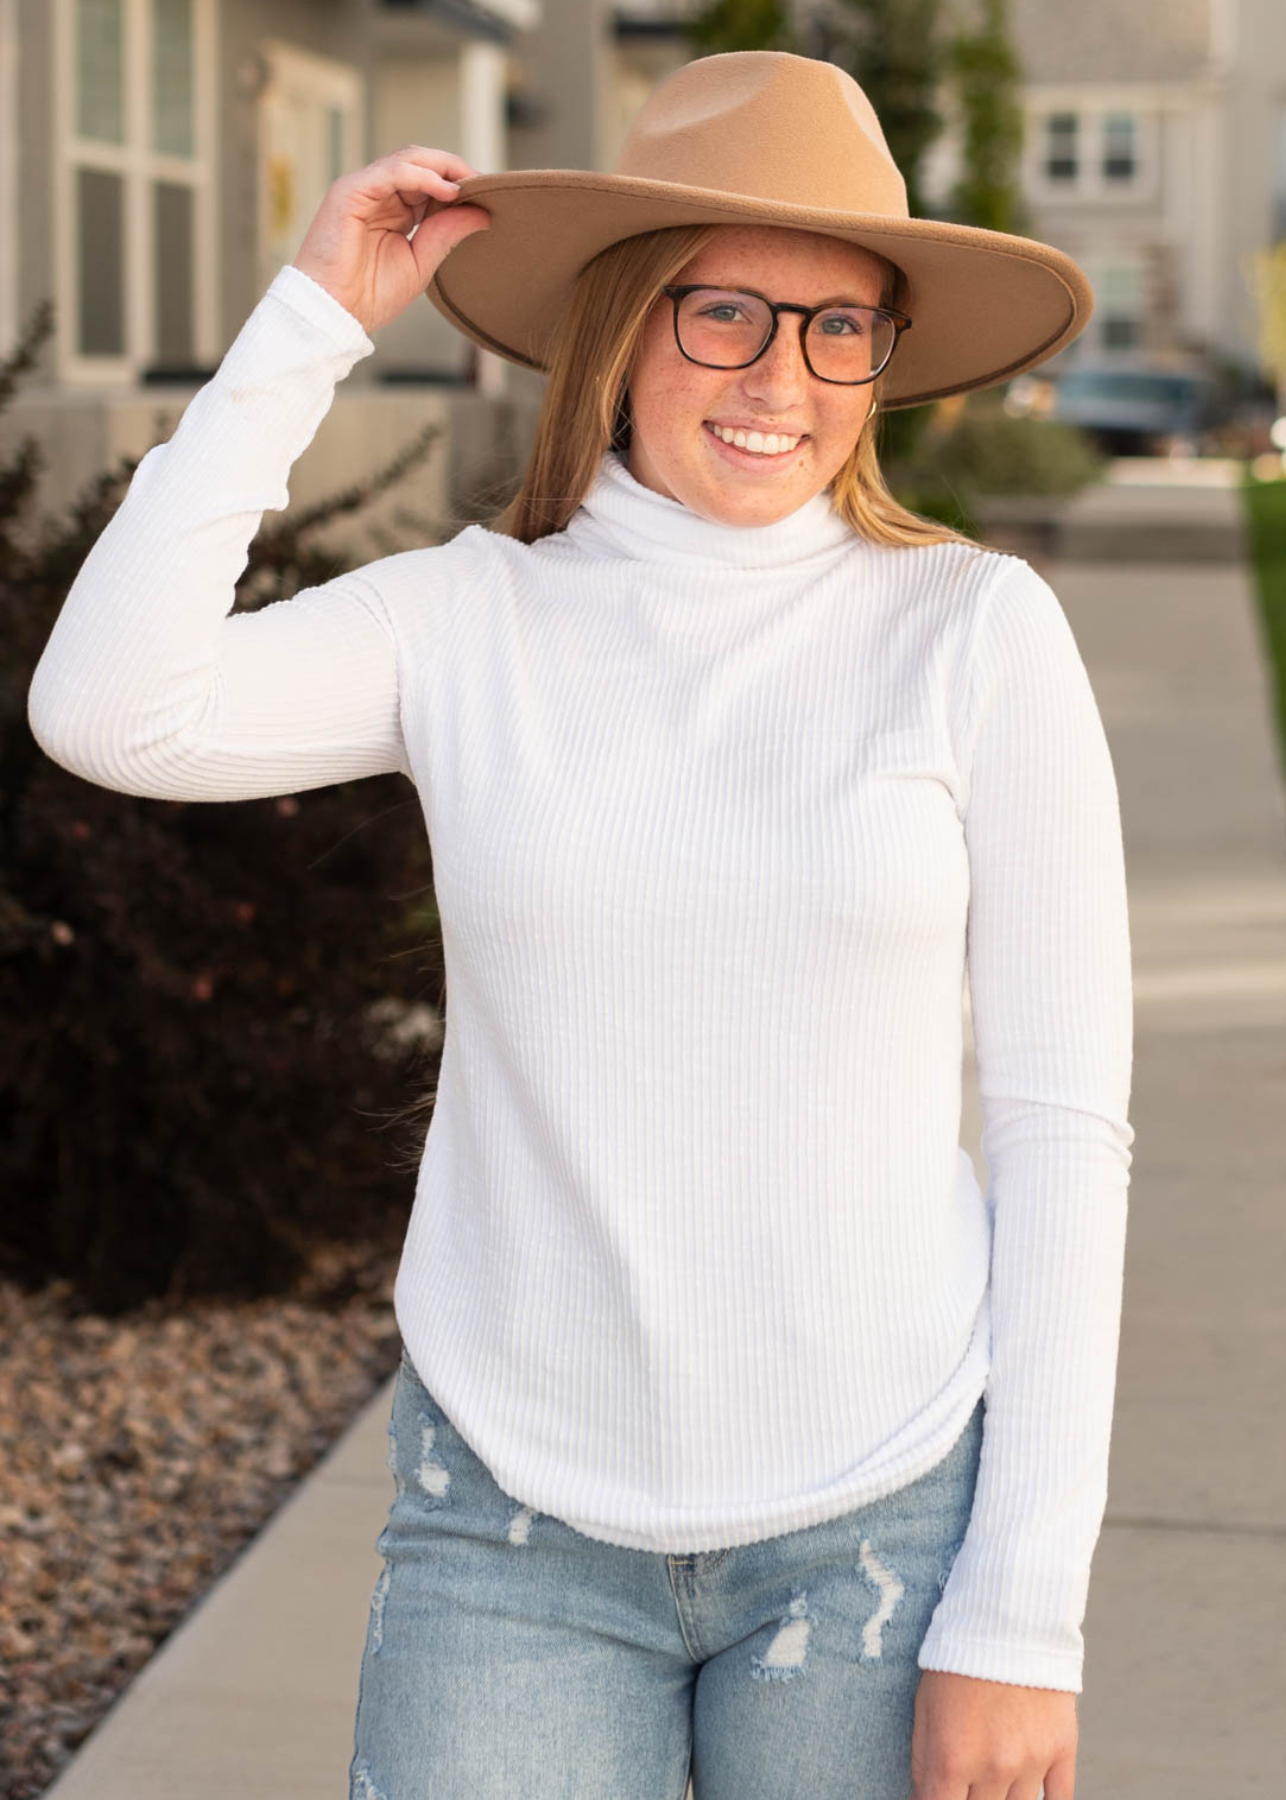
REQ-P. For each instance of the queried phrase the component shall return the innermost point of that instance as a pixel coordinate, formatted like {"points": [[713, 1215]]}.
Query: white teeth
{"points": [[771, 445]]}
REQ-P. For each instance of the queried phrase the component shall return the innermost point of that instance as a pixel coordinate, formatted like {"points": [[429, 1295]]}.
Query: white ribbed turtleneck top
{"points": [[722, 818]]}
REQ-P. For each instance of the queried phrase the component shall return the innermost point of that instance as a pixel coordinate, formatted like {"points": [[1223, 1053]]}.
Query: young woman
{"points": [[738, 1433]]}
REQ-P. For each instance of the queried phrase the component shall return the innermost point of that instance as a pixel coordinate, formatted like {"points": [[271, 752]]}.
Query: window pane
{"points": [[1121, 334], [172, 100], [1119, 159], [100, 242], [173, 217], [1060, 146], [1119, 286], [100, 61], [1119, 297]]}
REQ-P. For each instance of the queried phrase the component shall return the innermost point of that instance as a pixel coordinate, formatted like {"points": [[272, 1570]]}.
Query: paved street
{"points": [[1185, 1667], [256, 1691]]}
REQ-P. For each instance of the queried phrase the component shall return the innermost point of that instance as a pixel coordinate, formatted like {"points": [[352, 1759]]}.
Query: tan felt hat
{"points": [[764, 137]]}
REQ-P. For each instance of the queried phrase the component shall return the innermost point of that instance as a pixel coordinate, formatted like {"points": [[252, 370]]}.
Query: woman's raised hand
{"points": [[357, 247]]}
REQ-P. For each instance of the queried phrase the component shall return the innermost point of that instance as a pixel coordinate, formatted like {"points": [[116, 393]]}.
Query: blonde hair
{"points": [[585, 407]]}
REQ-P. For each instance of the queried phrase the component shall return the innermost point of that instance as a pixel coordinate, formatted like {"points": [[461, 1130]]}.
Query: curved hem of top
{"points": [[754, 1523], [786, 1517]]}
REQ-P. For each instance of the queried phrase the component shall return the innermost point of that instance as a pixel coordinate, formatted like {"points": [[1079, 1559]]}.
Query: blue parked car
{"points": [[1138, 411]]}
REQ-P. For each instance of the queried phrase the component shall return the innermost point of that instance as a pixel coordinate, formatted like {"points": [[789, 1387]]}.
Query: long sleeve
{"points": [[1050, 995], [149, 683]]}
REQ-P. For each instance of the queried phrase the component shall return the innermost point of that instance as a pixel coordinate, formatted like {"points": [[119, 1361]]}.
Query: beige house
{"points": [[161, 159], [1156, 156]]}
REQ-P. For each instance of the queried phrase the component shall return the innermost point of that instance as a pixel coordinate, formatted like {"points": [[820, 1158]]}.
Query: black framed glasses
{"points": [[730, 328]]}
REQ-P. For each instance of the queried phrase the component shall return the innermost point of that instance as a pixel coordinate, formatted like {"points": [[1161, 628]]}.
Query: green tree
{"points": [[743, 25], [895, 50], [985, 73]]}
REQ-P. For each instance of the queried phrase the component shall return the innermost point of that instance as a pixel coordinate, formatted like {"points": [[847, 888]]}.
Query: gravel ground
{"points": [[138, 1456]]}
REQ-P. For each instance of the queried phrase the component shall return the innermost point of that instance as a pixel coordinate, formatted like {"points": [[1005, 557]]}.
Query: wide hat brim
{"points": [[986, 305]]}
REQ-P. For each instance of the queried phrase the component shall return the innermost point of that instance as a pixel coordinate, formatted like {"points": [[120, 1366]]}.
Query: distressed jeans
{"points": [[508, 1654]]}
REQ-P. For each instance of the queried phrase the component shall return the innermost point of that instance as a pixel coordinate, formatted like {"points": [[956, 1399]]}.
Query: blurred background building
{"points": [[160, 159]]}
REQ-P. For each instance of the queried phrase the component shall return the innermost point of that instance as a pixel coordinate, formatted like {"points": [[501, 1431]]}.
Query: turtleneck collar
{"points": [[638, 523]]}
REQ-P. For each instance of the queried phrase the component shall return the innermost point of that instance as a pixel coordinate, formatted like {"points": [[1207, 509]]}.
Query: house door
{"points": [[310, 133]]}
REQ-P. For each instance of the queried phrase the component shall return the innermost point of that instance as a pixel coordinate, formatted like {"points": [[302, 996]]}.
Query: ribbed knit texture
{"points": [[716, 813]]}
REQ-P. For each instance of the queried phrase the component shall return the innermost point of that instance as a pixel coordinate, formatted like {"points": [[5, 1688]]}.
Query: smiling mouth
{"points": [[756, 446]]}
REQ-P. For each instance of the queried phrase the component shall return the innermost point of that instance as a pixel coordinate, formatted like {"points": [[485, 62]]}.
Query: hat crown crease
{"points": [[739, 129]]}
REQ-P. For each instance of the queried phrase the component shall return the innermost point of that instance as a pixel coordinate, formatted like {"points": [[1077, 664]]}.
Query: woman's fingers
{"points": [[416, 183], [406, 179], [382, 231], [441, 162]]}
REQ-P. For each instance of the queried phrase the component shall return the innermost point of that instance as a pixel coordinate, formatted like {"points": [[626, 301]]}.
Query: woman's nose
{"points": [[781, 369]]}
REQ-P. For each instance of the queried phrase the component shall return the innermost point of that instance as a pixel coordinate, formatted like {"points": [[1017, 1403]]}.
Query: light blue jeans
{"points": [[508, 1654]]}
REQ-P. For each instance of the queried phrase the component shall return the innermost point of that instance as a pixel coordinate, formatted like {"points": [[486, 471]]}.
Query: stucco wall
{"points": [[35, 210]]}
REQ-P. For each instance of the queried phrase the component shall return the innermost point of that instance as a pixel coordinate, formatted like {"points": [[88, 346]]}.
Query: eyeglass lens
{"points": [[725, 328]]}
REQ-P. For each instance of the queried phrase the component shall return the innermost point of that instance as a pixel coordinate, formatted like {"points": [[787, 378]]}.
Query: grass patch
{"points": [[1266, 516]]}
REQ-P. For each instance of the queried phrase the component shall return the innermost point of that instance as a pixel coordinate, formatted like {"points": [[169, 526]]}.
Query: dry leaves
{"points": [[137, 1458]]}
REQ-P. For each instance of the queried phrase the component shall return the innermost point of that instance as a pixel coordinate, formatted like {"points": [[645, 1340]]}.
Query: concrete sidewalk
{"points": [[1155, 511], [1149, 510], [1184, 1670], [256, 1690]]}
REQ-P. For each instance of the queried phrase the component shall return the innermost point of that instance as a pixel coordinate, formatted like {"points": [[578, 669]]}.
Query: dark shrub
{"points": [[196, 1087]]}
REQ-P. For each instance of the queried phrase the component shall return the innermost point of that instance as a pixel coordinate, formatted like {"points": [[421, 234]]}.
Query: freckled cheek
{"points": [[675, 417], [836, 436]]}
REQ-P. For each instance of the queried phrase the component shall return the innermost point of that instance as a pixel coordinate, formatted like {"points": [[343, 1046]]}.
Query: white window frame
{"points": [[1092, 111], [139, 166]]}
